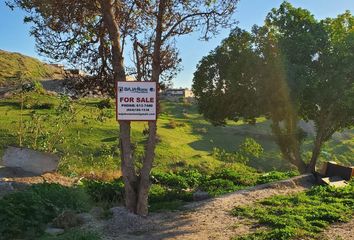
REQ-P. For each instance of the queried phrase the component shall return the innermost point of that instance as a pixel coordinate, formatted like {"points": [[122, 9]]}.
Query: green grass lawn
{"points": [[88, 143]]}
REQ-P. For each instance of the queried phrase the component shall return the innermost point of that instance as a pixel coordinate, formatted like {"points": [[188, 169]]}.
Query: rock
{"points": [[54, 231], [97, 212], [85, 218], [67, 219], [200, 195], [30, 160]]}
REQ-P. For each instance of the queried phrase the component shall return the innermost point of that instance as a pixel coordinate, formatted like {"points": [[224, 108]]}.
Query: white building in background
{"points": [[177, 94]]}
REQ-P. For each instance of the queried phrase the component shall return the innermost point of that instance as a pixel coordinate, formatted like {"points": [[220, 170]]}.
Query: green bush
{"points": [[171, 180], [160, 193], [105, 103], [192, 177], [217, 187], [25, 214], [276, 176], [237, 178], [37, 102], [109, 192]]}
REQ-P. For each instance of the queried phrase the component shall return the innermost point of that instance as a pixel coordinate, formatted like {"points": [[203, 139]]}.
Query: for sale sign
{"points": [[136, 101]]}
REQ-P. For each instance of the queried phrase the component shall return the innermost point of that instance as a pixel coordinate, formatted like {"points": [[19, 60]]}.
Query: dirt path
{"points": [[340, 231], [201, 220]]}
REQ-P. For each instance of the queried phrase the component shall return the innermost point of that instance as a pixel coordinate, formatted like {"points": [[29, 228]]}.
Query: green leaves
{"points": [[303, 215]]}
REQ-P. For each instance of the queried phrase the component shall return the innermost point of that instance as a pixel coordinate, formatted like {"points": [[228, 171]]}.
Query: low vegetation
{"points": [[92, 151], [14, 66], [301, 216], [25, 214]]}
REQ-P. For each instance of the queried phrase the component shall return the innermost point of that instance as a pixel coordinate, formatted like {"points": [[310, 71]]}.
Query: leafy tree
{"points": [[294, 67], [96, 33], [329, 101]]}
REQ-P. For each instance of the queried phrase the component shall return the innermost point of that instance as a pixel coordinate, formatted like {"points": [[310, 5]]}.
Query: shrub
{"points": [[108, 192], [74, 198], [25, 214], [170, 180], [105, 103], [159, 193], [33, 101], [237, 178], [217, 187], [276, 176], [192, 177]]}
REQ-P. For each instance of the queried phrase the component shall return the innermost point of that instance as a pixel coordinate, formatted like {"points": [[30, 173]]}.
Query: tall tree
{"points": [[105, 25], [329, 102], [300, 70]]}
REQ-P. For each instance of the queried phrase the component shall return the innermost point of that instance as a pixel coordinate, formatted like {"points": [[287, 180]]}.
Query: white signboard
{"points": [[136, 101]]}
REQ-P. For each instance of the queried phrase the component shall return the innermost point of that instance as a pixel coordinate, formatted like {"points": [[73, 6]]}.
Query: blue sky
{"points": [[14, 34]]}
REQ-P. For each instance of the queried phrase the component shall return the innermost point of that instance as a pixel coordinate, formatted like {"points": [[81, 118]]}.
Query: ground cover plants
{"points": [[301, 216], [25, 214]]}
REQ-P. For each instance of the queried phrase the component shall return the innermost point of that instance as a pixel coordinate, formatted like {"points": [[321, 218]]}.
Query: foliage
{"points": [[105, 103], [107, 192], [243, 178], [219, 186], [170, 180], [293, 67], [276, 176], [45, 132], [303, 215], [26, 213]]}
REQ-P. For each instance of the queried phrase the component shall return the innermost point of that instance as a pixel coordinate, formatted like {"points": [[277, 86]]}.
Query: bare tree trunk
{"points": [[315, 154], [144, 185], [128, 170]]}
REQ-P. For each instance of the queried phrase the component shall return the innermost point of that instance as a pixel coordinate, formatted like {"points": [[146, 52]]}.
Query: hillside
{"points": [[30, 68], [185, 138]]}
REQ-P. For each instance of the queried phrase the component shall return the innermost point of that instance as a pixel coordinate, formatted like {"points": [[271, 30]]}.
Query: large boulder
{"points": [[30, 160]]}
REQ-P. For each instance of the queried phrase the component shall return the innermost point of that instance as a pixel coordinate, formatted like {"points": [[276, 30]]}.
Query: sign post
{"points": [[136, 101]]}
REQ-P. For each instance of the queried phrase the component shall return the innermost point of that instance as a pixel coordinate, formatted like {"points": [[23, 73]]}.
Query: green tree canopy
{"points": [[293, 67]]}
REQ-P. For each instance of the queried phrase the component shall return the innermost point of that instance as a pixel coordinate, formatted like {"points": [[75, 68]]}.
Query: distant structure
{"points": [[177, 94], [75, 72], [60, 66]]}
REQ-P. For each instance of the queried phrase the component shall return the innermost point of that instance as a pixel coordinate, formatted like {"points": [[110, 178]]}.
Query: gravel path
{"points": [[200, 220], [340, 231]]}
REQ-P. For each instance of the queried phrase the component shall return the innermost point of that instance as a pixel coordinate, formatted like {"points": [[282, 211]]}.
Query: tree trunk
{"points": [[128, 169], [311, 168], [144, 185], [127, 165]]}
